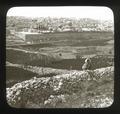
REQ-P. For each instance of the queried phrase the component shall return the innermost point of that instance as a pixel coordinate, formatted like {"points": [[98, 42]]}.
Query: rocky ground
{"points": [[75, 89]]}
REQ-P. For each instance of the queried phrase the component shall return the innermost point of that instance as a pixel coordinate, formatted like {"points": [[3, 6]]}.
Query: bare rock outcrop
{"points": [[77, 89]]}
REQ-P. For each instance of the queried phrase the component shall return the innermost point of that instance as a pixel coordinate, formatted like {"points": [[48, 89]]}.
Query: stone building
{"points": [[30, 37]]}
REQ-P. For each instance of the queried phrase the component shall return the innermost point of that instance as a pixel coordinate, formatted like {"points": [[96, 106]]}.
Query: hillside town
{"points": [[43, 25]]}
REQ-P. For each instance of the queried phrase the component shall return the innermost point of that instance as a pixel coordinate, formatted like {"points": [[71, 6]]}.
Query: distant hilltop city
{"points": [[48, 24]]}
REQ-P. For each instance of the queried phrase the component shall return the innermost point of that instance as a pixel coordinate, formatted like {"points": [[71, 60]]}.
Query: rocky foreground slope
{"points": [[77, 89]]}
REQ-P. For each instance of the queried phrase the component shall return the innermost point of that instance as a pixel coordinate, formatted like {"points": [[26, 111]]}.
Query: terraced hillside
{"points": [[50, 75], [54, 60]]}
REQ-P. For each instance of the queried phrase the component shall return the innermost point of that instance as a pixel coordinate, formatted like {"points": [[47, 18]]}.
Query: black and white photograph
{"points": [[60, 57]]}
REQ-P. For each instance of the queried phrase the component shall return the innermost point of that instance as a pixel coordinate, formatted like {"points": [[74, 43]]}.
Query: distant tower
{"points": [[87, 64]]}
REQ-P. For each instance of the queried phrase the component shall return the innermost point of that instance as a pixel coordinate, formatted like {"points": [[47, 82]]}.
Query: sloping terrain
{"points": [[32, 58], [19, 56], [77, 89], [48, 75], [16, 74]]}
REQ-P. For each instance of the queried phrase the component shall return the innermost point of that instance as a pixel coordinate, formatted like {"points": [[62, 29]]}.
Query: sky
{"points": [[100, 13]]}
